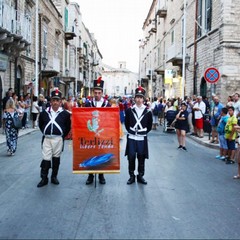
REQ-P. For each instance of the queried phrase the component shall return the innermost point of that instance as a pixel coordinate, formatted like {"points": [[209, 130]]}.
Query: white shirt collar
{"points": [[59, 109], [139, 108], [98, 103]]}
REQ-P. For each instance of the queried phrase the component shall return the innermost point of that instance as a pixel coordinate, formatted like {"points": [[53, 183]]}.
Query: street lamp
{"points": [[44, 62], [66, 72], [187, 60]]}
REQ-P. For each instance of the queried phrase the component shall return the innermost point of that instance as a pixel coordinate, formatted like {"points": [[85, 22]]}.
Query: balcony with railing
{"points": [[160, 69], [15, 28], [50, 66], [161, 9], [174, 55], [152, 27], [70, 33]]}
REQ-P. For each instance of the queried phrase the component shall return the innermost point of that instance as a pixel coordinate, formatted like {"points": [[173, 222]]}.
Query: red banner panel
{"points": [[95, 134]]}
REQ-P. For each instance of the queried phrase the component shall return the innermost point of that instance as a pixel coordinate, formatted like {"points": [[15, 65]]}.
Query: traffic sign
{"points": [[211, 75]]}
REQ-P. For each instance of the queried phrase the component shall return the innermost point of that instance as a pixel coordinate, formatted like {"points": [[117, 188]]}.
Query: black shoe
{"points": [[184, 148], [131, 179], [54, 180], [102, 179], [43, 182], [90, 179], [230, 162], [180, 146], [140, 179]]}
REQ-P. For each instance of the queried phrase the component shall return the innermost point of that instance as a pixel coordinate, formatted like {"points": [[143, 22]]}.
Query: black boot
{"points": [[55, 167], [45, 165], [140, 179], [131, 179], [90, 179], [101, 178], [131, 169], [141, 170]]}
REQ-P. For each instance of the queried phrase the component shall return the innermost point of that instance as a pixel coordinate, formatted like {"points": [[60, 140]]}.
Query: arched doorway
{"points": [[203, 87]]}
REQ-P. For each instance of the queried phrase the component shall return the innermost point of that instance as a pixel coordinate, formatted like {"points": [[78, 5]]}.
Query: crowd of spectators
{"points": [[219, 117]]}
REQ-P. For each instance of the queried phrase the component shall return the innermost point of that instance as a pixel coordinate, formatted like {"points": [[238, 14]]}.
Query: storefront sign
{"points": [[168, 76]]}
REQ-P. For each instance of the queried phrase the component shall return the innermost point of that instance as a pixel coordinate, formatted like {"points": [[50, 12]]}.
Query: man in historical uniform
{"points": [[55, 124], [138, 123], [97, 101]]}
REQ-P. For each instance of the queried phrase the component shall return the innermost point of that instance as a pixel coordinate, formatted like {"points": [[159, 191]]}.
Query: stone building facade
{"points": [[119, 81], [58, 51], [15, 38], [61, 37], [211, 40]]}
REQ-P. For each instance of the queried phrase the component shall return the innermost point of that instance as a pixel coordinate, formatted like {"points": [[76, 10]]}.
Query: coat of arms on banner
{"points": [[95, 140]]}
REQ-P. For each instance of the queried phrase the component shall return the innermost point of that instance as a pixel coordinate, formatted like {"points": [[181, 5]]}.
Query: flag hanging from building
{"points": [[96, 140]]}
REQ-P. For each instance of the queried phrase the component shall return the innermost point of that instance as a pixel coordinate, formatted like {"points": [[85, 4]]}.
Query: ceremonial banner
{"points": [[95, 134]]}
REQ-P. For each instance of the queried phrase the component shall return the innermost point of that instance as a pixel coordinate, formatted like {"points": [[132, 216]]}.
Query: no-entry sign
{"points": [[211, 75]]}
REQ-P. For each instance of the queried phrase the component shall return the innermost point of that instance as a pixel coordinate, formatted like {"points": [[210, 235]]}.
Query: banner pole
{"points": [[95, 177]]}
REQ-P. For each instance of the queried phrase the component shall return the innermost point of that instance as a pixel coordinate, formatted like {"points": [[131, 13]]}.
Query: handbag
{"points": [[17, 122]]}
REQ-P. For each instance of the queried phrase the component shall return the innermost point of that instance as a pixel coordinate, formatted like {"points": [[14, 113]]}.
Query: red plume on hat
{"points": [[98, 84], [56, 93], [99, 80], [140, 91]]}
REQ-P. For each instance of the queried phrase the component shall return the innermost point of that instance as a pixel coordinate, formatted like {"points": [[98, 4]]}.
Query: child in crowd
{"points": [[230, 135], [221, 132], [237, 157]]}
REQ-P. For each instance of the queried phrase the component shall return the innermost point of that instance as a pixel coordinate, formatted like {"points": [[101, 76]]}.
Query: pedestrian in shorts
{"points": [[221, 135], [230, 135]]}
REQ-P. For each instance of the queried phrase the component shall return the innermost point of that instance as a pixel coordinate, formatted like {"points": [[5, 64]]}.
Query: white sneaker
{"points": [[218, 157]]}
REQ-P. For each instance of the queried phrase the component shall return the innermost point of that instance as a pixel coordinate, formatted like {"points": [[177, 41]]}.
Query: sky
{"points": [[117, 27]]}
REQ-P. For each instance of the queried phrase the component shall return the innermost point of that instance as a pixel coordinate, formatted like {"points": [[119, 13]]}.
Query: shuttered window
{"points": [[208, 18], [199, 18], [204, 17], [66, 19]]}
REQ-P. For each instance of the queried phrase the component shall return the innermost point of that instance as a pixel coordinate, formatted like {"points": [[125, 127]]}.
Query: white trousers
{"points": [[52, 147]]}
